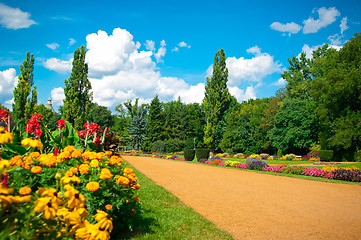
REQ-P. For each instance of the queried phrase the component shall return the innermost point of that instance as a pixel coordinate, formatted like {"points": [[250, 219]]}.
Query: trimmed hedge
{"points": [[189, 154], [359, 156], [202, 153], [325, 155]]}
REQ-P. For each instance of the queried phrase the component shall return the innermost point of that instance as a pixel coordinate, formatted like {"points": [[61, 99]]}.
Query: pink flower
{"points": [[81, 133], [97, 141]]}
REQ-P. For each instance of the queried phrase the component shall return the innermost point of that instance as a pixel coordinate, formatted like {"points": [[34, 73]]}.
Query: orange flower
{"points": [[105, 174], [76, 153], [108, 207], [36, 169], [136, 199], [25, 190], [123, 181], [128, 170], [84, 168], [134, 211], [94, 163], [135, 186], [92, 186]]}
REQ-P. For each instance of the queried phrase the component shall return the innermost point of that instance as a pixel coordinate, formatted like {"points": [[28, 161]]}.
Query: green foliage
{"points": [[325, 155], [174, 145], [45, 112], [189, 144], [99, 115], [158, 146], [155, 121], [137, 129], [24, 105], [359, 156], [202, 153], [295, 127], [216, 99], [189, 154], [77, 91]]}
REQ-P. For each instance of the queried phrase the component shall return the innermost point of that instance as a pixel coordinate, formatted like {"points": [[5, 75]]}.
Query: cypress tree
{"points": [[77, 91], [216, 100], [23, 105]]}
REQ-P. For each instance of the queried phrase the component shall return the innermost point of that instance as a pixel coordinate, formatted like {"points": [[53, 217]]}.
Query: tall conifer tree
{"points": [[216, 100], [77, 91], [23, 105]]}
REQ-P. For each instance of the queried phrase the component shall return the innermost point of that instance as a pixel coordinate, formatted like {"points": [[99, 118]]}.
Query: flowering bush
{"points": [[91, 182], [208, 162], [276, 169], [242, 165], [316, 172], [347, 175], [256, 164], [294, 170], [231, 163]]}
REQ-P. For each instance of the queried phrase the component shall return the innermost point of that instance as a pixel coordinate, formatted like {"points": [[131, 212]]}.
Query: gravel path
{"points": [[251, 205]]}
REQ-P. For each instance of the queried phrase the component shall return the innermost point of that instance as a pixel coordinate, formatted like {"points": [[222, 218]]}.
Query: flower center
{"points": [[76, 195]]}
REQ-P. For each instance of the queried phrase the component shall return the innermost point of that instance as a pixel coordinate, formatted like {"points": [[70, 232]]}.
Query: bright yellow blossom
{"points": [[5, 136], [94, 163], [92, 186], [105, 174]]}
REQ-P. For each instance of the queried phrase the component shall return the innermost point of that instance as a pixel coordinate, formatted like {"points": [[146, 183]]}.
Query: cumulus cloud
{"points": [[175, 49], [57, 96], [343, 25], [71, 41], [193, 94], [8, 81], [326, 17], [52, 46], [286, 28], [309, 50], [119, 71], [58, 66], [241, 95], [14, 18], [335, 39], [183, 44], [254, 69], [280, 82], [150, 45], [161, 52]]}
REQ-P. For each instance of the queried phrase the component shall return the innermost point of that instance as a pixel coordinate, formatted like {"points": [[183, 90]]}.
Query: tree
{"points": [[45, 112], [137, 129], [23, 105], [99, 115], [77, 91], [216, 100]]}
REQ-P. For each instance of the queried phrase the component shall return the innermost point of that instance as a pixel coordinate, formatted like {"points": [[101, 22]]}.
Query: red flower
{"points": [[81, 133], [4, 117], [97, 141], [61, 123], [33, 125], [91, 128]]}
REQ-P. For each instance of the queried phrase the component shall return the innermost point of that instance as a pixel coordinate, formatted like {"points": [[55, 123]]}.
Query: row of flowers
{"points": [[72, 194], [265, 156]]}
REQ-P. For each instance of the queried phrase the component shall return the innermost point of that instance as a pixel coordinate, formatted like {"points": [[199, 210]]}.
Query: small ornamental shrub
{"points": [[189, 154], [316, 172], [325, 155], [158, 146], [242, 165], [221, 164], [347, 175], [276, 169], [290, 157], [216, 158], [264, 155], [202, 153], [294, 170], [231, 163], [208, 162], [202, 160], [313, 154], [256, 164], [216, 162]]}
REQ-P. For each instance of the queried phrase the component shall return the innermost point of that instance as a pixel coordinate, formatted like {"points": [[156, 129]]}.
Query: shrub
{"points": [[313, 154], [315, 172], [325, 155], [347, 175], [216, 162], [256, 164], [202, 160], [264, 155], [158, 146], [202, 153], [208, 162], [174, 145], [221, 164], [189, 154], [189, 144], [216, 158], [231, 163], [359, 156], [242, 165]]}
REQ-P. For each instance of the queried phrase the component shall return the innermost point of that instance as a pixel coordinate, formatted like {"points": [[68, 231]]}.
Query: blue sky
{"points": [[136, 49]]}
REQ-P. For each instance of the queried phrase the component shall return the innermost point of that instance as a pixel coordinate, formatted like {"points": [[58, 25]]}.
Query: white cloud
{"points": [[326, 17], [57, 65], [335, 39], [254, 69], [241, 95], [280, 82], [175, 49], [288, 27], [161, 52], [52, 46], [71, 41], [119, 71], [57, 96], [14, 18], [8, 81], [194, 94], [343, 25], [150, 45], [183, 44], [309, 50]]}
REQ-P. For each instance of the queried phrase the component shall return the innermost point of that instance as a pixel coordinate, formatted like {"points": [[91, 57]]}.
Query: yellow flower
{"points": [[108, 153], [128, 171], [69, 149], [94, 163], [105, 174], [92, 186], [135, 186], [74, 170], [64, 156], [132, 177], [76, 153], [4, 164], [114, 160], [69, 216], [66, 179], [123, 181], [5, 190], [16, 160], [25, 190], [75, 199], [84, 168], [36, 169], [104, 220], [98, 233], [5, 136], [34, 155], [46, 206], [108, 207], [26, 142]]}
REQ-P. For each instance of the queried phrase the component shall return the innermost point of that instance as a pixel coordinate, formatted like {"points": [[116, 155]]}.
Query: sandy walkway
{"points": [[259, 206]]}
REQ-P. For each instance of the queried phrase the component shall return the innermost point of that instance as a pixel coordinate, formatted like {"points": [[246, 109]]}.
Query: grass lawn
{"points": [[166, 217]]}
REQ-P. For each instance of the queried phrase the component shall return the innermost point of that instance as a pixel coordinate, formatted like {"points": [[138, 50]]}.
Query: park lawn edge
{"points": [[164, 216]]}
